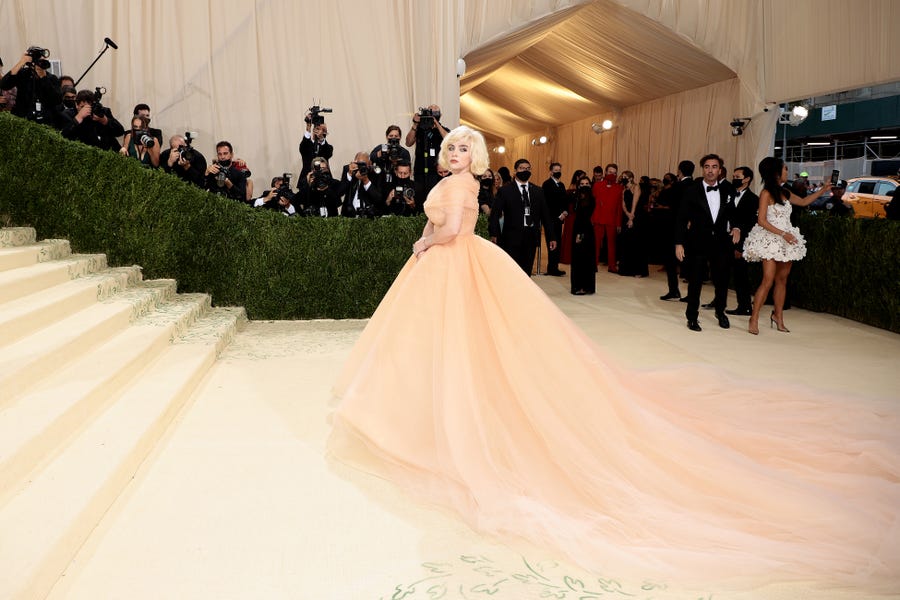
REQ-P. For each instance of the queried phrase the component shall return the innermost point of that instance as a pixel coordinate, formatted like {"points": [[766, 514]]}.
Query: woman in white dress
{"points": [[774, 241]]}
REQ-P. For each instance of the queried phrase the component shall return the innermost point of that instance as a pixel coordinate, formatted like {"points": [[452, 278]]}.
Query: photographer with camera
{"points": [[318, 194], [143, 110], [279, 197], [426, 135], [7, 97], [313, 143], [182, 160], [92, 123], [387, 156], [400, 197], [140, 144], [37, 90], [223, 178], [362, 198]]}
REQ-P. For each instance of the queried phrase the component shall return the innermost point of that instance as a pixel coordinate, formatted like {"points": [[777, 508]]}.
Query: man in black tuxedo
{"points": [[313, 144], [673, 201], [702, 236], [522, 206], [557, 201], [746, 204]]}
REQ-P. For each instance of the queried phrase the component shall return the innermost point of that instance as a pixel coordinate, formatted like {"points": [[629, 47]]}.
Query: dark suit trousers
{"points": [[553, 255], [741, 283], [719, 266]]}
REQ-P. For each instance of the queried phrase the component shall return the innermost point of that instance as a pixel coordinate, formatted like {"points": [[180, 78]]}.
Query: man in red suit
{"points": [[607, 216]]}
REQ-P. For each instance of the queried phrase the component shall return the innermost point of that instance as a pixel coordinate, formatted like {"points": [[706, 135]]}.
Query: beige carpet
{"points": [[239, 500]]}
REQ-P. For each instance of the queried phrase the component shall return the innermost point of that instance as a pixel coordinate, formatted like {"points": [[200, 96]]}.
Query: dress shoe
{"points": [[723, 321], [740, 312], [693, 325], [683, 299], [708, 306], [556, 273], [670, 296]]}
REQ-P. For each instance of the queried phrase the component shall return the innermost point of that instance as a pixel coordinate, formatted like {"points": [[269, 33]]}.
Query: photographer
{"points": [[400, 197], [140, 145], [362, 197], [223, 178], [279, 197], [387, 156], [143, 110], [318, 194], [313, 143], [182, 160], [426, 135], [91, 123], [37, 90], [7, 97]]}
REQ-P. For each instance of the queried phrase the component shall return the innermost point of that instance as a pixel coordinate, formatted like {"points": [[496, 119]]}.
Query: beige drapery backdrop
{"points": [[246, 70]]}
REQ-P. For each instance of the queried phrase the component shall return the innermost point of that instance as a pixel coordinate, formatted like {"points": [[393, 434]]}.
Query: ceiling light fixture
{"points": [[599, 128], [793, 117]]}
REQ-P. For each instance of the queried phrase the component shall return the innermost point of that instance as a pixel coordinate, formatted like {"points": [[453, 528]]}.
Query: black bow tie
{"points": [[712, 188]]}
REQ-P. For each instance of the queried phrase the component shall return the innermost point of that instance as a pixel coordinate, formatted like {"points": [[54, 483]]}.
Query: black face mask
{"points": [[584, 188], [523, 176], [69, 103], [487, 183], [556, 175], [737, 182]]}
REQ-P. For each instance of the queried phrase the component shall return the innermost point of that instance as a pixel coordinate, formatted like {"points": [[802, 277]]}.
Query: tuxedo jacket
{"points": [[310, 150], [745, 216], [371, 202], [695, 228], [556, 197], [509, 205]]}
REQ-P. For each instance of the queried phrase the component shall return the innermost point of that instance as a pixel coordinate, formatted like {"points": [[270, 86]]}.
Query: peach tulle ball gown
{"points": [[471, 389]]}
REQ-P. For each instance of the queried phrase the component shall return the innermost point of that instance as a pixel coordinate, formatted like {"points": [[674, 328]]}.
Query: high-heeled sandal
{"points": [[753, 331], [780, 326]]}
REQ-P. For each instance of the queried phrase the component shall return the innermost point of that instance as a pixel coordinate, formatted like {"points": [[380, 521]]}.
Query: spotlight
{"points": [[607, 125], [738, 124], [794, 117], [501, 149], [542, 139], [599, 128]]}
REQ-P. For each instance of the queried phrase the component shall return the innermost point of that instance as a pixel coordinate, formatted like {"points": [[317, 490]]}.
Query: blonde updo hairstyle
{"points": [[477, 149]]}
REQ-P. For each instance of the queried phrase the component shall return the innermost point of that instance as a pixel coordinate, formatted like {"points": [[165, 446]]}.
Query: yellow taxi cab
{"points": [[869, 195]]}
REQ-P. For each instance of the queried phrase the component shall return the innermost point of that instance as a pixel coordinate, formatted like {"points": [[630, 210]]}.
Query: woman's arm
{"points": [[798, 201], [440, 235]]}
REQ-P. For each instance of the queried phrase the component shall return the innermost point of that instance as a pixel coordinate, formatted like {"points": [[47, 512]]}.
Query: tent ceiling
{"points": [[596, 58]]}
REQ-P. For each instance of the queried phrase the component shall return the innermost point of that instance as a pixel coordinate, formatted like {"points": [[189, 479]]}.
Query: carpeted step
{"points": [[25, 281], [28, 314], [34, 357], [15, 257], [35, 425], [46, 521]]}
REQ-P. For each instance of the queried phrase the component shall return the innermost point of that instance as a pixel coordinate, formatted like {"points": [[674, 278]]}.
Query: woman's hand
{"points": [[419, 247], [790, 238]]}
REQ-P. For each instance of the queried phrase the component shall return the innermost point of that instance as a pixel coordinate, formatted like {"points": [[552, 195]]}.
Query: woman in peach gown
{"points": [[470, 388]]}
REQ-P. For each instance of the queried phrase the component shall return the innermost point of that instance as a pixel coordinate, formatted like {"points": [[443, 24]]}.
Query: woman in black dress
{"points": [[633, 240], [584, 262]]}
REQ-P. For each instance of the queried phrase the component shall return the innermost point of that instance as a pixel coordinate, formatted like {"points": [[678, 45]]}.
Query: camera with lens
{"points": [[222, 175], [315, 117], [320, 177], [39, 56], [362, 168], [97, 108], [427, 118], [144, 138], [187, 152], [284, 188]]}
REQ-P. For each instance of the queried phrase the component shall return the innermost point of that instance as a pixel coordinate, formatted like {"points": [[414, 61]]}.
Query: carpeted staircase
{"points": [[95, 363]]}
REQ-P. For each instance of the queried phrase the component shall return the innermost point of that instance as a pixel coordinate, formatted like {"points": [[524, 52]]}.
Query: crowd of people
{"points": [[602, 218]]}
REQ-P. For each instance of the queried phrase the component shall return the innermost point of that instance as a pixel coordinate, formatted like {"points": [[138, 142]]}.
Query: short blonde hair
{"points": [[477, 149]]}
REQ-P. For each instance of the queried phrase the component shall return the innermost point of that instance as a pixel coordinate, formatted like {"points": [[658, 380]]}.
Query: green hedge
{"points": [[852, 269], [274, 266], [298, 268]]}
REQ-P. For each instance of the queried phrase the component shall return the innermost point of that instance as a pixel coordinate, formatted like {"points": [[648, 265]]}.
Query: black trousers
{"points": [[719, 261], [741, 276], [553, 255]]}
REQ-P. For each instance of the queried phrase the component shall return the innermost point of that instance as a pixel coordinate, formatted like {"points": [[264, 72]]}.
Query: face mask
{"points": [[585, 188], [69, 103], [737, 182], [610, 178], [487, 183], [523, 176], [556, 175]]}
